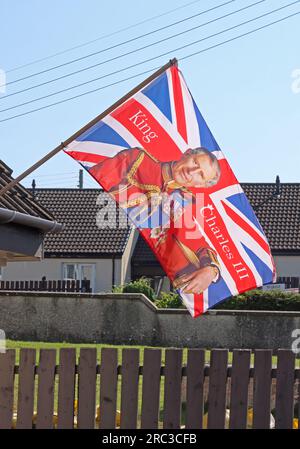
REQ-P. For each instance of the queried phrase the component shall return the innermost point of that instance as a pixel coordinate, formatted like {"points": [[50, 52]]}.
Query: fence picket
{"points": [[26, 388], [262, 389], [217, 389], [108, 388], [151, 388], [195, 383], [87, 388], [129, 388], [66, 389], [239, 389], [46, 376], [7, 365], [285, 389], [172, 394]]}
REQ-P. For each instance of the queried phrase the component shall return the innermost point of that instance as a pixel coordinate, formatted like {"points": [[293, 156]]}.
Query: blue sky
{"points": [[243, 89]]}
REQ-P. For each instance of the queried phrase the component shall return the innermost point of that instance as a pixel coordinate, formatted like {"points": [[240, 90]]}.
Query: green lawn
{"points": [[17, 345]]}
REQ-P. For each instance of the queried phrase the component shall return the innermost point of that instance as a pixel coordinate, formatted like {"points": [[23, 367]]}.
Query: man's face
{"points": [[194, 170]]}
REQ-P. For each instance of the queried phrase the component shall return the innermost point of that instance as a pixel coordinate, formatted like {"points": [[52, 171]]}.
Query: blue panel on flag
{"points": [[260, 266], [105, 134], [207, 139], [217, 292], [240, 201], [158, 92]]}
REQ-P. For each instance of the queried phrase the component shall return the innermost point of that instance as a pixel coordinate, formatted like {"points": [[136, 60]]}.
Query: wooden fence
{"points": [[47, 286], [290, 282], [150, 389]]}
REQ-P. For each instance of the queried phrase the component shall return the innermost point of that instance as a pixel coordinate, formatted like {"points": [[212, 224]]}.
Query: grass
{"points": [[17, 345]]}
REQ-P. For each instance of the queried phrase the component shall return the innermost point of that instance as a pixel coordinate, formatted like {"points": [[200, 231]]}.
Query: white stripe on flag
{"points": [[162, 120], [122, 131], [87, 146], [224, 194], [205, 300], [219, 155], [171, 95], [189, 302], [192, 127], [241, 235]]}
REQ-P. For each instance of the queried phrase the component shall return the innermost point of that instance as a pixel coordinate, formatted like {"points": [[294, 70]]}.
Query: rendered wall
{"points": [[133, 319]]}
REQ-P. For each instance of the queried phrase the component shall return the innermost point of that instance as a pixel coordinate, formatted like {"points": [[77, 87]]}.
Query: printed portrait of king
{"points": [[156, 196]]}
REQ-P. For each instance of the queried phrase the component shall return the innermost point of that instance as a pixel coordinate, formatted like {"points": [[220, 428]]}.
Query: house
{"points": [[96, 243], [24, 223], [99, 244]]}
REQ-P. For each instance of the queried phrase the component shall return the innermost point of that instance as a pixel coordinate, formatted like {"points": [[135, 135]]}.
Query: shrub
{"points": [[262, 300], [141, 285], [251, 300], [169, 301]]}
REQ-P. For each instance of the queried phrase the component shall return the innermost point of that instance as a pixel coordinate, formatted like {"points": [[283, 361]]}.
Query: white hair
{"points": [[214, 161]]}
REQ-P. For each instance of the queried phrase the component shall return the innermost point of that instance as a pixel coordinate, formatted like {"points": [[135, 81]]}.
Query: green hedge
{"points": [[139, 286], [165, 300], [169, 301], [262, 300], [251, 300]]}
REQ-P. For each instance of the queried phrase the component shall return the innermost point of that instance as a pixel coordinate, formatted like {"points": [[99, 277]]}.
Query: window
{"points": [[80, 272]]}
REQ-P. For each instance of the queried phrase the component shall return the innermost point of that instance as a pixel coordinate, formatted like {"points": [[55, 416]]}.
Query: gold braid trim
{"points": [[143, 198], [132, 172], [119, 190], [149, 154], [213, 257]]}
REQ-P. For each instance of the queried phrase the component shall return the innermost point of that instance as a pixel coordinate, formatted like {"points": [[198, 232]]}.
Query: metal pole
{"points": [[80, 184], [60, 147]]}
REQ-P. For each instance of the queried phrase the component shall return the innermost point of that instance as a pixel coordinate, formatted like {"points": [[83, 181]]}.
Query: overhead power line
{"points": [[143, 48], [68, 174], [147, 60], [119, 44], [151, 70], [122, 43], [36, 61]]}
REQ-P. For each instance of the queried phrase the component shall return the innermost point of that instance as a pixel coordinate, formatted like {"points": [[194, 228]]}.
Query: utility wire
{"points": [[151, 70], [147, 60], [58, 174], [143, 48], [118, 45], [36, 61], [60, 179]]}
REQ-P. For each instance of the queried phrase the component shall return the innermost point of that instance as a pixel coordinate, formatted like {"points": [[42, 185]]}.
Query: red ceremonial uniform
{"points": [[135, 178]]}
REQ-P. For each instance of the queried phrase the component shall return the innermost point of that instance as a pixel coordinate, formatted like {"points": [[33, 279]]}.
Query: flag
{"points": [[155, 155]]}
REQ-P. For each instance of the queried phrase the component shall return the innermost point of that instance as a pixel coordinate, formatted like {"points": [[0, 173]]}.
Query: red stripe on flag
{"points": [[247, 228], [86, 157], [198, 305], [178, 102], [147, 130]]}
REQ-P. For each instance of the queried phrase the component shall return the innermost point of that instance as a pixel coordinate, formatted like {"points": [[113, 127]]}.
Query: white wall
{"points": [[53, 270], [287, 265], [126, 259]]}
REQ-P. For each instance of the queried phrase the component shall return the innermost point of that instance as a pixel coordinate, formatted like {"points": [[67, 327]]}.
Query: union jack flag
{"points": [[169, 123]]}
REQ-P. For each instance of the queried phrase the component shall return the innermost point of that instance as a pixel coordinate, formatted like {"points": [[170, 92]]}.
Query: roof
{"points": [[79, 210], [93, 225], [19, 199], [279, 218]]}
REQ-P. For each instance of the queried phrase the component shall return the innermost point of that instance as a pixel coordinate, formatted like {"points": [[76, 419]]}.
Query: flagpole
{"points": [[60, 147]]}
